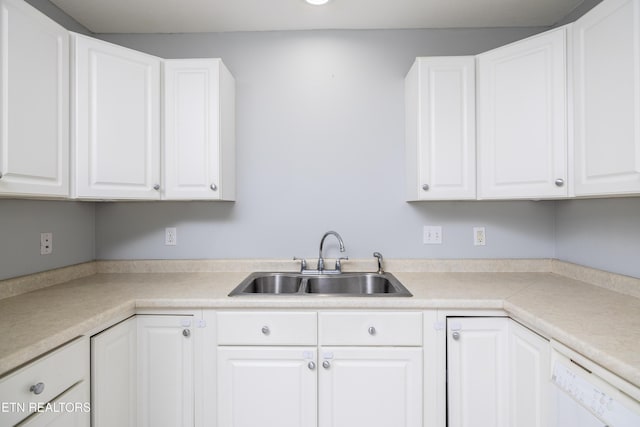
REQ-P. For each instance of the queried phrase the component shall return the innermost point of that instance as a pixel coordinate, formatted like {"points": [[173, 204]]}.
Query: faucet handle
{"points": [[303, 263], [378, 255], [339, 264]]}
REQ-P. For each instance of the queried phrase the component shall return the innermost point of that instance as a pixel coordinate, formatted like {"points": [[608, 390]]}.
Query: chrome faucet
{"points": [[321, 259]]}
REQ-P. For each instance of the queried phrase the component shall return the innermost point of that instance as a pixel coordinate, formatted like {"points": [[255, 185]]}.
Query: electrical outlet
{"points": [[432, 235], [46, 243], [170, 236], [479, 236]]}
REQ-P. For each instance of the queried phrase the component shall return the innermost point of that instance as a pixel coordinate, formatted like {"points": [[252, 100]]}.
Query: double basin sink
{"points": [[343, 284]]}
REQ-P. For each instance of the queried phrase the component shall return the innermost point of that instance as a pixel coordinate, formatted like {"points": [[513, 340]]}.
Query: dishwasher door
{"points": [[581, 397]]}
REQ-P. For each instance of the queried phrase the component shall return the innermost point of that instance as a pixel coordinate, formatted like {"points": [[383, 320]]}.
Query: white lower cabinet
{"points": [[370, 386], [529, 367], [165, 371], [143, 372], [267, 386], [71, 409], [498, 373], [113, 373], [50, 391], [269, 379]]}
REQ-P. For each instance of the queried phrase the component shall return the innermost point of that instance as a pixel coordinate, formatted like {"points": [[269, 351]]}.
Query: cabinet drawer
{"points": [[267, 328], [371, 328], [57, 371]]}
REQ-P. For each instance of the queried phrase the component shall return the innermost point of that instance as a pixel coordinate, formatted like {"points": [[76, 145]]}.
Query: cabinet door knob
{"points": [[156, 187], [265, 330], [455, 335], [37, 388], [372, 330], [425, 187], [326, 364], [312, 365], [559, 182], [0, 175], [186, 332], [213, 187]]}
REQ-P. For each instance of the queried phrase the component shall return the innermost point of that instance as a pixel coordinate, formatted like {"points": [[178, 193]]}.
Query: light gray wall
{"points": [[22, 221], [600, 233], [320, 137]]}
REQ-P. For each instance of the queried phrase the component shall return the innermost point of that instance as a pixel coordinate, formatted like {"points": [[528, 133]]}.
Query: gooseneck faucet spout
{"points": [[320, 258]]}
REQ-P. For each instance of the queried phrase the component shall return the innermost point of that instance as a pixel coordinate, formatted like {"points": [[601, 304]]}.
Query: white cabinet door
{"points": [[34, 103], [607, 99], [440, 129], [113, 376], [522, 119], [529, 371], [165, 371], [267, 386], [477, 372], [199, 135], [116, 127], [370, 386]]}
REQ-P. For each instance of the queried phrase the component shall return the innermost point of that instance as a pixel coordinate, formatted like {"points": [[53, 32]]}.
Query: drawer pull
{"points": [[265, 330], [372, 330], [37, 388]]}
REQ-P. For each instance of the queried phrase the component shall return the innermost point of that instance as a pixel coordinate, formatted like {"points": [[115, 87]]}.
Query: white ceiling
{"points": [[187, 16]]}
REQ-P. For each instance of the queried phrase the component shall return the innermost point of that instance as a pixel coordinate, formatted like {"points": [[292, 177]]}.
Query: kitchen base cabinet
{"points": [[529, 367], [267, 386], [369, 386], [54, 378], [72, 412], [113, 373], [165, 371], [477, 375], [143, 373], [327, 369], [498, 373]]}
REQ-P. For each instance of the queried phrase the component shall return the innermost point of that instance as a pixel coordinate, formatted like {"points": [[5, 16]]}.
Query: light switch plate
{"points": [[432, 235]]}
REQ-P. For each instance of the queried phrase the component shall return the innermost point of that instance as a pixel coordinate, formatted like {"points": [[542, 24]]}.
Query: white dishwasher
{"points": [[585, 395]]}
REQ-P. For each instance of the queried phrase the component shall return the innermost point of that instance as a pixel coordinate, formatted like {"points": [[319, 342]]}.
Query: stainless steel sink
{"points": [[344, 284]]}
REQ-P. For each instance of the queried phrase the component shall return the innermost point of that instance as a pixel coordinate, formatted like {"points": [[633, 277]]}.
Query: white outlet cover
{"points": [[170, 236], [46, 243], [479, 236]]}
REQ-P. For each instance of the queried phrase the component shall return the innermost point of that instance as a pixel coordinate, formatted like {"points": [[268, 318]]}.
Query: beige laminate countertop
{"points": [[601, 324]]}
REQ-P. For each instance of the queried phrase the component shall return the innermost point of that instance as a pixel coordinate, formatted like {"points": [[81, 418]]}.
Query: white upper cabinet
{"points": [[522, 119], [440, 129], [34, 103], [607, 99], [199, 130], [116, 121]]}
